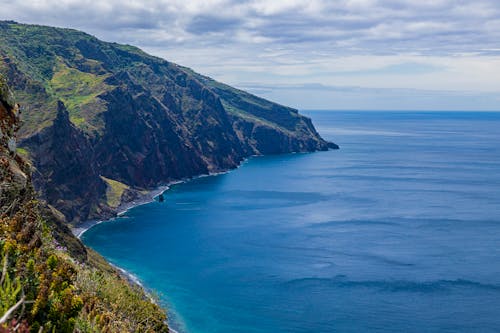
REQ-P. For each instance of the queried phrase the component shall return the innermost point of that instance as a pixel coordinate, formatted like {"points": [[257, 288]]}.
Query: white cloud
{"points": [[452, 44]]}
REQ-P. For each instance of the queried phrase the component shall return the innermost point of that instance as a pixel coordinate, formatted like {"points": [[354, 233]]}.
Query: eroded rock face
{"points": [[96, 109], [66, 172], [43, 263], [13, 170], [145, 142], [17, 195]]}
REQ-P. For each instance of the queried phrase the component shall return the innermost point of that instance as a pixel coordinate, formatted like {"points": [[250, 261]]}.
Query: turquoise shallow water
{"points": [[397, 231]]}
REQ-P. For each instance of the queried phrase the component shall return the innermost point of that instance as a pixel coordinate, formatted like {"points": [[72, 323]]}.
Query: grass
{"points": [[77, 90], [251, 118], [79, 121], [114, 192], [23, 152], [111, 304]]}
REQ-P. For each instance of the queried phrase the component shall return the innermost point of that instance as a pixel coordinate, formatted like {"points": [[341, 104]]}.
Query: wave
{"points": [[129, 276], [403, 221], [362, 131], [335, 223], [392, 285]]}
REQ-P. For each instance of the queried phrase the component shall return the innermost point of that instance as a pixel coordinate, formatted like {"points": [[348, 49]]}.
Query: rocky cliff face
{"points": [[14, 180], [103, 120], [65, 170], [16, 189], [49, 282]]}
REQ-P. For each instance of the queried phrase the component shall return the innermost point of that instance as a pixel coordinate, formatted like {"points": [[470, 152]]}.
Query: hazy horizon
{"points": [[352, 54], [395, 110]]}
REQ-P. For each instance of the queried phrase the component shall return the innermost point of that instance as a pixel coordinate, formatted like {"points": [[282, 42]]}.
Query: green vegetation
{"points": [[9, 290], [42, 276], [251, 118], [52, 67], [112, 305], [73, 66], [114, 191], [130, 113], [77, 90], [23, 152], [48, 283], [61, 294]]}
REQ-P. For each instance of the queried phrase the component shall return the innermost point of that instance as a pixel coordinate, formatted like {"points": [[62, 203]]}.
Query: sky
{"points": [[310, 54]]}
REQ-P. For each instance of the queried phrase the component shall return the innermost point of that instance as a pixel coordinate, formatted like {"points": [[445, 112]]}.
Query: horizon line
{"points": [[397, 110]]}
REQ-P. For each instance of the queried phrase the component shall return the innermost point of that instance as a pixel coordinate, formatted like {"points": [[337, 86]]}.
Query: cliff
{"points": [[104, 122], [49, 282]]}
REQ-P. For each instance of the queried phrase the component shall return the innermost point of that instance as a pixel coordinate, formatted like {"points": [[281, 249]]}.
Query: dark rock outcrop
{"points": [[65, 170], [16, 189]]}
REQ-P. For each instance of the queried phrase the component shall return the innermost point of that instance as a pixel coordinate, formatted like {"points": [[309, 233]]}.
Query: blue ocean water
{"points": [[398, 231]]}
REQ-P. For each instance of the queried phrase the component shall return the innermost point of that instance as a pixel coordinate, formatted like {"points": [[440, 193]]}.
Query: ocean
{"points": [[398, 231]]}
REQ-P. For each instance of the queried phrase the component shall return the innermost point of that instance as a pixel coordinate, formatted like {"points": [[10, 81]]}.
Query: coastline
{"points": [[145, 199], [132, 279], [148, 197], [123, 208]]}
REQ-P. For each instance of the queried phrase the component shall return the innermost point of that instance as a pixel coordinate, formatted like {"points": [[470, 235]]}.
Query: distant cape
{"points": [[104, 122]]}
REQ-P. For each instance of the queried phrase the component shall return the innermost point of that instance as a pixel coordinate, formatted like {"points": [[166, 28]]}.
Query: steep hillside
{"points": [[49, 282], [102, 116]]}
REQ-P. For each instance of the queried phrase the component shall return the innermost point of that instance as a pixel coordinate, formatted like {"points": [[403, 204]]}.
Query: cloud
{"points": [[366, 25], [439, 44], [204, 24], [359, 98]]}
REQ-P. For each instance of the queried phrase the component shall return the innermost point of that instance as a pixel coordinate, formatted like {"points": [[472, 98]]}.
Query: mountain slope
{"points": [[49, 282], [99, 115]]}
